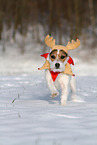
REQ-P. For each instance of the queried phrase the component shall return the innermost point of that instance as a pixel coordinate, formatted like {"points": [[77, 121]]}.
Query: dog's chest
{"points": [[61, 81]]}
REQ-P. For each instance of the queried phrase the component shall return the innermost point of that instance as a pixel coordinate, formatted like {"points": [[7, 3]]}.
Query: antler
{"points": [[49, 41], [73, 44]]}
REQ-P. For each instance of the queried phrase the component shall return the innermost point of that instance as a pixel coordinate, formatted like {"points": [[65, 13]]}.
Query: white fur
{"points": [[52, 66], [58, 51], [62, 82], [62, 64]]}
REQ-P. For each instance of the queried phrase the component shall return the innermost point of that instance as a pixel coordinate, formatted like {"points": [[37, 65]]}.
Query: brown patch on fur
{"points": [[62, 55], [53, 55]]}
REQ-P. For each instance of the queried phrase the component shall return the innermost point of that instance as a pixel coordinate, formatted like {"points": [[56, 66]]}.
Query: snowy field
{"points": [[28, 116]]}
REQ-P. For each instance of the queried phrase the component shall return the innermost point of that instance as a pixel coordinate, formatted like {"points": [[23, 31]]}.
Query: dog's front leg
{"points": [[50, 84], [64, 83]]}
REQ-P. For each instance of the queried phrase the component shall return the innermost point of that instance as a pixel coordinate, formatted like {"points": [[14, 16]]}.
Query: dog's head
{"points": [[58, 56], [57, 59]]}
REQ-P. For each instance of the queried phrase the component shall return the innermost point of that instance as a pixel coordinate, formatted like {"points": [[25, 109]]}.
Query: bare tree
{"points": [[50, 2], [59, 24], [76, 4], [92, 16], [1, 20], [36, 22], [69, 9]]}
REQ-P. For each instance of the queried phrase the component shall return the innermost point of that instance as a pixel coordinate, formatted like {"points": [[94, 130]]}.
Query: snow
{"points": [[29, 116]]}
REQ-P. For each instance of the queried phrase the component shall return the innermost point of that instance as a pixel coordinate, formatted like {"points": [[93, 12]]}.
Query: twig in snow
{"points": [[13, 100], [18, 96]]}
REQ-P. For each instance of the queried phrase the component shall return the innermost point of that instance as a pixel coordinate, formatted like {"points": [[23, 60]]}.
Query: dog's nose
{"points": [[57, 65]]}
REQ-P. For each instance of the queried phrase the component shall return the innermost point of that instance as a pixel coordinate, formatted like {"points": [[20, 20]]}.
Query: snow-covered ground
{"points": [[28, 116]]}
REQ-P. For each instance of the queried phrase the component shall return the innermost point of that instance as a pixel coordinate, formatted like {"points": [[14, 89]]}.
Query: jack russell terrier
{"points": [[58, 70]]}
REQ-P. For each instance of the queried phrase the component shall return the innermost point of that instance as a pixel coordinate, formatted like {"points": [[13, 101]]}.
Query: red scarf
{"points": [[54, 75]]}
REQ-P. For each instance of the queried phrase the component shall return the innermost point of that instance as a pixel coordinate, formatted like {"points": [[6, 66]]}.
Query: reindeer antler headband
{"points": [[50, 42]]}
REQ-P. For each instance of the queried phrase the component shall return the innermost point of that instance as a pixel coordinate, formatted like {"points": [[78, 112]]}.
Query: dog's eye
{"points": [[52, 56], [62, 57]]}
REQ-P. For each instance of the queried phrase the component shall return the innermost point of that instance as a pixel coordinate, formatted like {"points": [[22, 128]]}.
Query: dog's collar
{"points": [[54, 75]]}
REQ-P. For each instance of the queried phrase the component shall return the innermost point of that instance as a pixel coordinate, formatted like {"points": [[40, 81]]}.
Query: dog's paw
{"points": [[77, 99], [63, 102], [54, 95]]}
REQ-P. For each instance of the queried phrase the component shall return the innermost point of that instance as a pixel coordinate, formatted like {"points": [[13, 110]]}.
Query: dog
{"points": [[58, 59], [58, 71]]}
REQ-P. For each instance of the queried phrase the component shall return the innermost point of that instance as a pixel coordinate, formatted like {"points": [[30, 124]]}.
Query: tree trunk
{"points": [[36, 22], [0, 26], [76, 3], [92, 16], [59, 25], [50, 2], [1, 20], [69, 9]]}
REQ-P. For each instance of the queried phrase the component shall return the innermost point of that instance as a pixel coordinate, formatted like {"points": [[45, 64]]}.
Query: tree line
{"points": [[57, 17]]}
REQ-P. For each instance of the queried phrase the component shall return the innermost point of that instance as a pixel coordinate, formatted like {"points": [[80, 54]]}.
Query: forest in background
{"points": [[61, 18]]}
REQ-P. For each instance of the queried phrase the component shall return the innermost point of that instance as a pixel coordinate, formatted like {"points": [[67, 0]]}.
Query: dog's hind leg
{"points": [[50, 84], [73, 88], [74, 97]]}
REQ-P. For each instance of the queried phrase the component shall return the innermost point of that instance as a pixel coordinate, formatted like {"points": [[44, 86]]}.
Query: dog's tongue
{"points": [[45, 55]]}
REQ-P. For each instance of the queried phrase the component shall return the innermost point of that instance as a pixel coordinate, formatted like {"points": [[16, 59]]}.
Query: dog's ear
{"points": [[49, 41], [73, 44]]}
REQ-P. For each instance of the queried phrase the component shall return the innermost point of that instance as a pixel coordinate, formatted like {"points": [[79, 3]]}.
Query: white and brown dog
{"points": [[58, 70]]}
